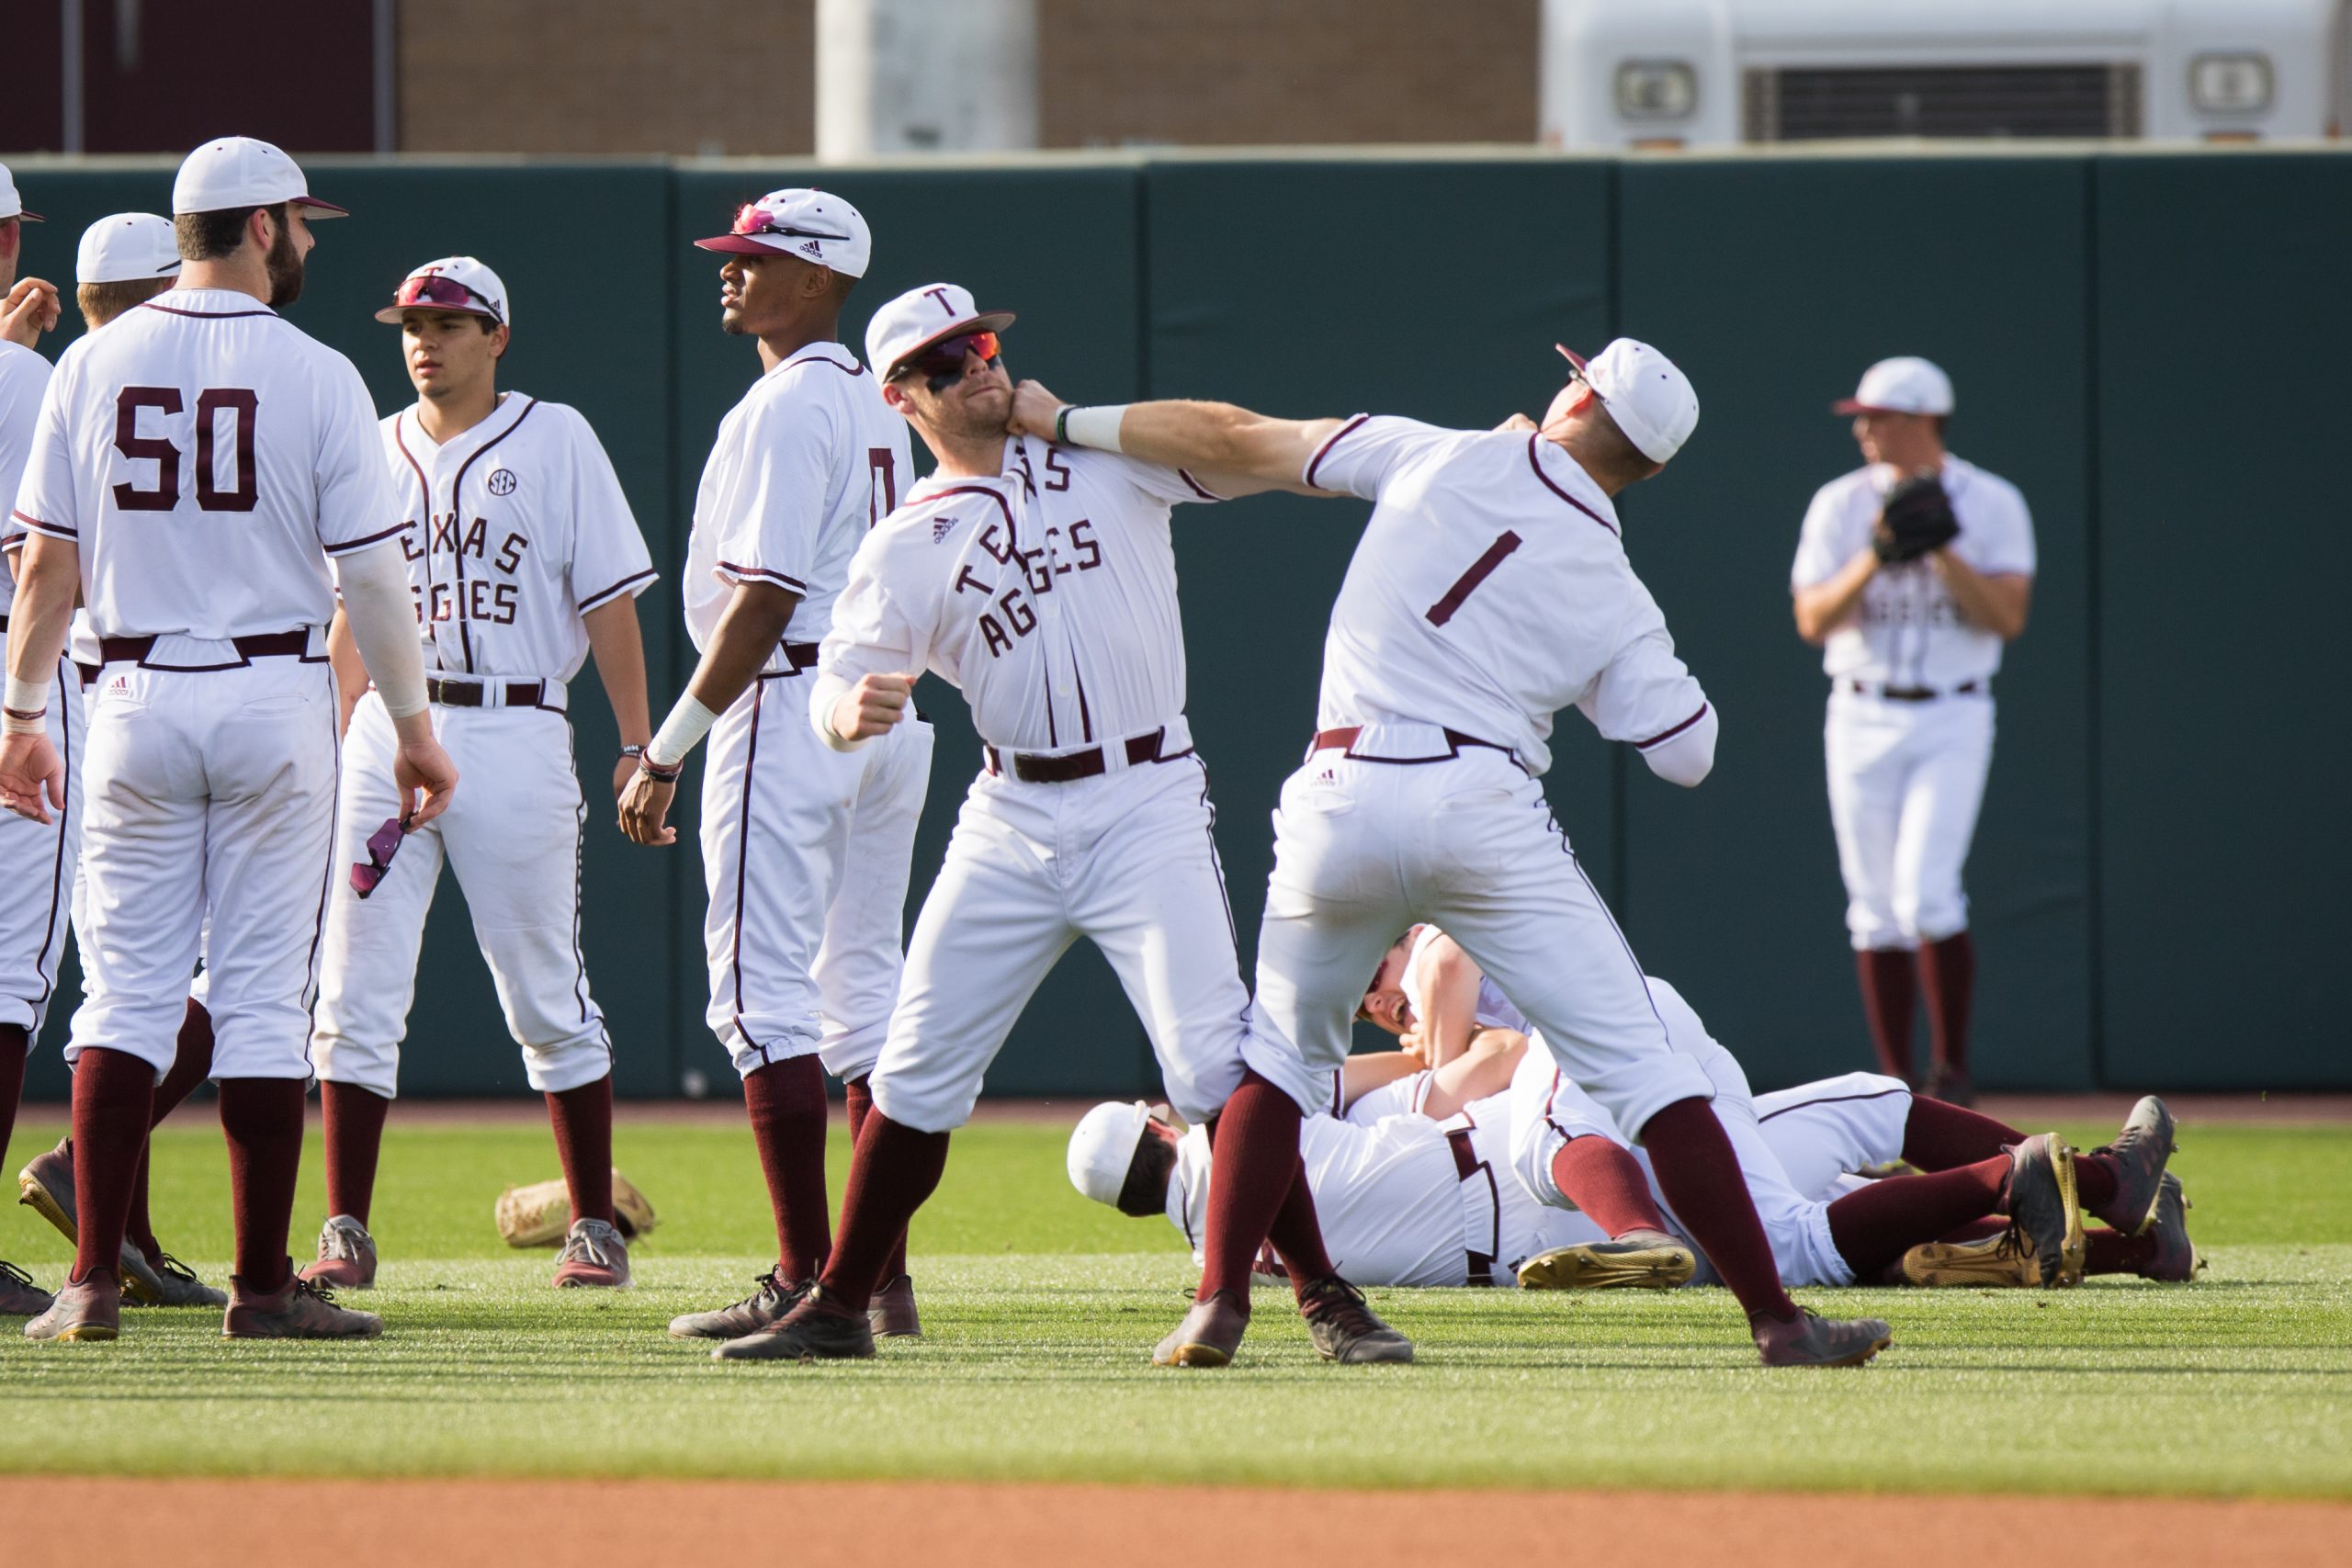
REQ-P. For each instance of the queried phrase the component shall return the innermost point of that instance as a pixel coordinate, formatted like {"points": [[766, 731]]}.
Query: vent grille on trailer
{"points": [[1810, 104]]}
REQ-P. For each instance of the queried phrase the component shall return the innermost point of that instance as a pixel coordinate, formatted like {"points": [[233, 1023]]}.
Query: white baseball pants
{"points": [[36, 867], [804, 852], [1826, 1130], [1906, 782], [1363, 849], [512, 834], [207, 793], [1125, 859]]}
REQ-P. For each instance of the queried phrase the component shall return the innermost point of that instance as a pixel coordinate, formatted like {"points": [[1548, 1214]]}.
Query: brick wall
{"points": [[685, 77]]}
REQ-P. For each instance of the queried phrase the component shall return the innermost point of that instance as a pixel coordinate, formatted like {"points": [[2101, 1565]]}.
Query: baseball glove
{"points": [[1916, 519], [540, 1215]]}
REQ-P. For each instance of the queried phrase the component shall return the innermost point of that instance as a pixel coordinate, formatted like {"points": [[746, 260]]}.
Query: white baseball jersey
{"points": [[24, 375], [203, 452], [804, 467], [1910, 632], [1048, 594], [1452, 612], [515, 530]]}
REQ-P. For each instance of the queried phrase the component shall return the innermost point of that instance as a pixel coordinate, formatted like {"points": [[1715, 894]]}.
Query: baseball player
{"points": [[1042, 581], [123, 261], [1490, 589], [197, 469], [35, 859], [805, 851], [1911, 573], [523, 557]]}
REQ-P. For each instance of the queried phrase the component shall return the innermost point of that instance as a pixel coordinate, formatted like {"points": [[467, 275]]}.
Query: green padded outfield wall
{"points": [[2145, 342]]}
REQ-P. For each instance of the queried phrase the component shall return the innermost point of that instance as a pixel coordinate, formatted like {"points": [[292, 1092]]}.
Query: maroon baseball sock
{"points": [[262, 1119], [1890, 989], [1700, 1175], [14, 1044], [354, 1135], [895, 1170], [1876, 1226], [190, 1067], [2095, 1180], [1297, 1235], [112, 1092], [1936, 1136], [787, 1101], [1253, 1164], [1947, 976], [859, 1094], [1606, 1182], [2112, 1252], [583, 1120]]}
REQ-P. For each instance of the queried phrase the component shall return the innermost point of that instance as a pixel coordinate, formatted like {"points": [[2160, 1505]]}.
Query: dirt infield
{"points": [[516, 1524]]}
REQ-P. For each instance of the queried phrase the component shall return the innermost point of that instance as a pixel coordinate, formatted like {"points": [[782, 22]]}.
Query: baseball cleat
{"points": [[2004, 1261], [594, 1255], [1344, 1329], [304, 1309], [85, 1310], [46, 1186], [1812, 1340], [1645, 1260], [892, 1315], [2139, 1152], [171, 1283], [814, 1330], [19, 1297], [346, 1257], [2176, 1261], [1208, 1336], [763, 1309], [2043, 1213]]}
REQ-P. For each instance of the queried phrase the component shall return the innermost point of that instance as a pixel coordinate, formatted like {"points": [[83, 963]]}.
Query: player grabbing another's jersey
{"points": [[199, 468], [523, 557]]}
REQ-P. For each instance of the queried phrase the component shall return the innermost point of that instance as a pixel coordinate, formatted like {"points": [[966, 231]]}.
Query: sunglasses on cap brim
{"points": [[434, 291], [942, 362]]}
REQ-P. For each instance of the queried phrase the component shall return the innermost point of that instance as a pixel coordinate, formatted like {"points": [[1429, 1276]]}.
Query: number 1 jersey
{"points": [[207, 456]]}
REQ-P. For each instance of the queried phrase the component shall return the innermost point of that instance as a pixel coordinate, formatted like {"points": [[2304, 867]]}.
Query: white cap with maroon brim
{"points": [[1645, 393], [814, 225], [237, 172], [1103, 1146], [921, 317], [126, 247], [452, 283], [1905, 385], [11, 204]]}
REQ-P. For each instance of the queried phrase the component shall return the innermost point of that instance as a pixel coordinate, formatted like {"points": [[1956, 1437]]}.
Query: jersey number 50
{"points": [[211, 404]]}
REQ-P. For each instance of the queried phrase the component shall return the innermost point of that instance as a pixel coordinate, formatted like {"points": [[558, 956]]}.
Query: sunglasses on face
{"points": [[754, 219], [434, 289], [941, 365], [382, 845]]}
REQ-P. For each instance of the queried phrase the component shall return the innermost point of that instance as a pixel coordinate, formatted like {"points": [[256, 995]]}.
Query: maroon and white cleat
{"points": [[892, 1313], [1208, 1336], [84, 1309], [346, 1257], [1810, 1340], [302, 1310], [595, 1256]]}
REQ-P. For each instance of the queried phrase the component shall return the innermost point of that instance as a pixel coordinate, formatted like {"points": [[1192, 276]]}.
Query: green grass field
{"points": [[1042, 1309]]}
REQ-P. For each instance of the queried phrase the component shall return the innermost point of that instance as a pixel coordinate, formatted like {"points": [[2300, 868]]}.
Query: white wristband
{"points": [[680, 733], [25, 697], [1096, 427]]}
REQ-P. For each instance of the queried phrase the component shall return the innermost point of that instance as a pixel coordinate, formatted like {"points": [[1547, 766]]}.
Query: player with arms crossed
{"points": [[1042, 583], [1490, 589], [805, 851], [522, 556], [198, 467], [1911, 574]]}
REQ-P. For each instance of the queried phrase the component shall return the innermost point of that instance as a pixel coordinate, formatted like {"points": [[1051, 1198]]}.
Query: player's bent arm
{"points": [[1687, 757], [382, 613], [1449, 988], [1218, 441], [1828, 605], [618, 644], [1485, 1068], [1995, 600], [1368, 1070]]}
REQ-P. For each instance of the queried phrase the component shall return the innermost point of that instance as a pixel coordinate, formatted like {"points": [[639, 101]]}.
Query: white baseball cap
{"points": [[1905, 385], [11, 204], [814, 225], [1104, 1146], [921, 317], [452, 283], [1646, 393], [238, 171], [126, 247]]}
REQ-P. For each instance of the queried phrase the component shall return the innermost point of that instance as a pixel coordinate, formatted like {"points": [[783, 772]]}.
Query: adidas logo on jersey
{"points": [[940, 527]]}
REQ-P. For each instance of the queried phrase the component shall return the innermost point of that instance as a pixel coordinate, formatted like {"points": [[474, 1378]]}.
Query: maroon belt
{"points": [[1344, 739], [1067, 767], [1468, 1167], [264, 645], [470, 693], [799, 655]]}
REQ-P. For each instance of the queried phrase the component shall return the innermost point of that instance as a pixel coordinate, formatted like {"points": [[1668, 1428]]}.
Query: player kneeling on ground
{"points": [[523, 557]]}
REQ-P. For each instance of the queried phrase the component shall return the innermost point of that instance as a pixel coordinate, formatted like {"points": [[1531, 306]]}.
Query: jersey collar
{"points": [[835, 354], [414, 437]]}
